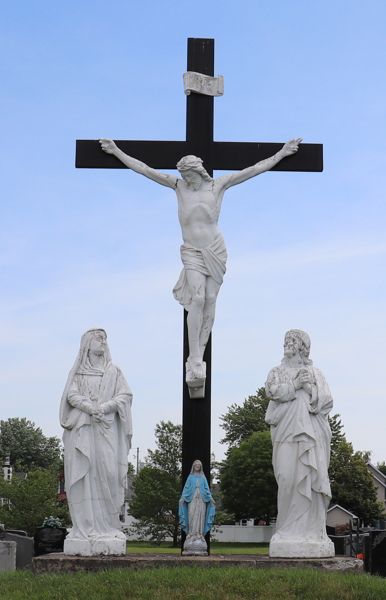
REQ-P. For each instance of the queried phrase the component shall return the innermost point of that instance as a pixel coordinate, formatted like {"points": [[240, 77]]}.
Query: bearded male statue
{"points": [[300, 401]]}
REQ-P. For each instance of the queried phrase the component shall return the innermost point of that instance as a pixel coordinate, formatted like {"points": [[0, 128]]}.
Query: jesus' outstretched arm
{"points": [[136, 165], [227, 181]]}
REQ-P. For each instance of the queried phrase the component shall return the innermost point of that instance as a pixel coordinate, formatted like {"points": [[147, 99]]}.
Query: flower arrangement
{"points": [[52, 522]]}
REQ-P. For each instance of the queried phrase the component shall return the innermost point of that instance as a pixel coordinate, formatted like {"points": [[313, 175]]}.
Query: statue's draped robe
{"points": [[301, 438], [210, 261], [96, 453], [196, 513]]}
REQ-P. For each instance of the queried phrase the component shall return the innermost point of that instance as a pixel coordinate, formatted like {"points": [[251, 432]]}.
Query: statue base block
{"points": [[97, 547], [61, 563], [196, 547], [301, 549], [196, 385]]}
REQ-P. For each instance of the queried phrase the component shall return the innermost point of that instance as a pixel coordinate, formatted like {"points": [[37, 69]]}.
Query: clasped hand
{"points": [[97, 414], [303, 380]]}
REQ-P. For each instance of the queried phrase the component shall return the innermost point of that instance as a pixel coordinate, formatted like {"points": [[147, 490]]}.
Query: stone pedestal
{"points": [[7, 556], [301, 549], [97, 547], [197, 547], [60, 563]]}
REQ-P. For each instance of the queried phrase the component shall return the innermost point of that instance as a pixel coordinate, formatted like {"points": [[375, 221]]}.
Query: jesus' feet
{"points": [[196, 367]]}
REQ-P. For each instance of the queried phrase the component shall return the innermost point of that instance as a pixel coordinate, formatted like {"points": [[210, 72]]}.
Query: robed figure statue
{"points": [[197, 511], [300, 401], [95, 413]]}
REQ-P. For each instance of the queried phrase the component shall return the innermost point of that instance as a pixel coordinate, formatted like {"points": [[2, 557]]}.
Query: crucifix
{"points": [[199, 196]]}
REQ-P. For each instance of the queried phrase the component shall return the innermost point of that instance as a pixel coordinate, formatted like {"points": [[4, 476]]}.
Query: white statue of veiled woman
{"points": [[95, 413], [300, 401], [197, 511]]}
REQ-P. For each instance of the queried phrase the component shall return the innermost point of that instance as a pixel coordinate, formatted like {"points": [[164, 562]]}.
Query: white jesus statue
{"points": [[203, 252]]}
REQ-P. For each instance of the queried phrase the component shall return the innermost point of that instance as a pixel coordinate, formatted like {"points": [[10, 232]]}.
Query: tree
{"points": [[381, 466], [157, 487], [351, 483], [26, 445], [337, 432], [240, 422], [31, 499], [155, 505], [248, 484], [130, 470], [168, 455]]}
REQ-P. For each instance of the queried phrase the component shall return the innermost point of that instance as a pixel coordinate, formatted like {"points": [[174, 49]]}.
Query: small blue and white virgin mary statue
{"points": [[197, 511]]}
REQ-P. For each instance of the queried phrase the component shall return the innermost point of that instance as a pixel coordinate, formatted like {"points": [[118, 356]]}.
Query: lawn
{"points": [[215, 548], [184, 583]]}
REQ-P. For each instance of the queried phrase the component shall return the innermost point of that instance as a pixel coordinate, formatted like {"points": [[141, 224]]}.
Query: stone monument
{"points": [[197, 511], [300, 401], [203, 252], [95, 413], [201, 87]]}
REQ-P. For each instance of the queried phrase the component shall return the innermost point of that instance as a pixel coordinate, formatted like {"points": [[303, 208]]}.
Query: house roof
{"points": [[344, 510], [383, 476], [379, 481]]}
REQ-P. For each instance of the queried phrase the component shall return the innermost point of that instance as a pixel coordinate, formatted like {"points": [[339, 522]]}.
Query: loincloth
{"points": [[210, 261]]}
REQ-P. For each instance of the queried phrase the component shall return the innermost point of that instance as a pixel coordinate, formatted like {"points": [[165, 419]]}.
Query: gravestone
{"points": [[24, 548], [339, 543], [375, 553], [7, 556], [49, 539]]}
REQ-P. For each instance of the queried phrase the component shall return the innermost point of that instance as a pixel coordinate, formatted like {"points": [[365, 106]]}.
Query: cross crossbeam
{"points": [[224, 156]]}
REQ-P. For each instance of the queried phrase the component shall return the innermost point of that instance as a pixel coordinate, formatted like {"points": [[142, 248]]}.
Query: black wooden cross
{"points": [[227, 156]]}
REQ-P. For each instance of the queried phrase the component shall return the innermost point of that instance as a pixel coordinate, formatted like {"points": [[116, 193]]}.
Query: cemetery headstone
{"points": [[7, 556], [339, 544], [49, 539], [24, 547], [375, 553]]}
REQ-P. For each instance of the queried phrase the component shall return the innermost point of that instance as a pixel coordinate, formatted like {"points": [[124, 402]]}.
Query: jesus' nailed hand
{"points": [[203, 252]]}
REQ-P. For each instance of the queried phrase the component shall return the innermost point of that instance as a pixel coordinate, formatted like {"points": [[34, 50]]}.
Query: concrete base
{"points": [[301, 549], [59, 563], [98, 547]]}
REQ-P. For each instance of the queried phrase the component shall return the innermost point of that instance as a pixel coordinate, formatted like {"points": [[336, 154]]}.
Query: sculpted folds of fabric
{"points": [[95, 452], [301, 438]]}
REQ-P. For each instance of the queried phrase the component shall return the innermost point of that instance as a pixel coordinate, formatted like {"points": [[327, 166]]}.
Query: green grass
{"points": [[184, 583], [215, 548]]}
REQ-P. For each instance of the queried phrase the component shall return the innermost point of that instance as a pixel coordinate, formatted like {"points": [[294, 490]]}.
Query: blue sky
{"points": [[88, 248]]}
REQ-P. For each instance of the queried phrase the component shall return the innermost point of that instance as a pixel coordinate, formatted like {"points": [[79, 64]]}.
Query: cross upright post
{"points": [[196, 413], [232, 156]]}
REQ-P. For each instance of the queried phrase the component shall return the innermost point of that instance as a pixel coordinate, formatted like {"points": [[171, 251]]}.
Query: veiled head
{"points": [[197, 468], [96, 341]]}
